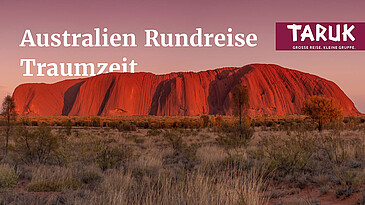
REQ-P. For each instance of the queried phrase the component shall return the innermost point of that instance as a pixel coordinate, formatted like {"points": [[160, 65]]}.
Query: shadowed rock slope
{"points": [[273, 90]]}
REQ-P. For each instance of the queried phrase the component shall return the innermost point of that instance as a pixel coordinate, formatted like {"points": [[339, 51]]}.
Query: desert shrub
{"points": [[81, 123], [234, 137], [362, 120], [218, 122], [95, 121], [34, 123], [154, 132], [155, 125], [108, 157], [25, 122], [345, 192], [8, 176], [337, 150], [245, 132], [227, 126], [204, 120], [324, 190], [183, 153], [333, 148], [85, 147], [143, 124], [307, 125], [163, 125], [353, 122], [36, 146], [269, 123], [113, 124], [230, 140], [288, 155], [125, 126], [174, 140], [185, 158], [189, 152], [90, 175], [139, 140], [350, 180], [184, 123], [257, 123]]}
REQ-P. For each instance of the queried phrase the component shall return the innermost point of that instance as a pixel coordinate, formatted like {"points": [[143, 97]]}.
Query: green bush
{"points": [[109, 157], [288, 155], [90, 174], [125, 126], [8, 176], [36, 146], [218, 122], [183, 153], [95, 121], [237, 136], [205, 120], [334, 148], [154, 132]]}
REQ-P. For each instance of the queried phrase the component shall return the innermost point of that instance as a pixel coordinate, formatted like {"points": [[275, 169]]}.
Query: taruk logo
{"points": [[333, 34], [320, 36]]}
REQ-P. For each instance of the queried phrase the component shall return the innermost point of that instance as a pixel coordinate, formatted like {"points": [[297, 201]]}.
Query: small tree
{"points": [[240, 105], [322, 109], [68, 127], [9, 114], [240, 102]]}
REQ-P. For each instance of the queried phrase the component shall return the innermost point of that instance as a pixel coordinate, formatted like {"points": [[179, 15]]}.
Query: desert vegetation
{"points": [[182, 160]]}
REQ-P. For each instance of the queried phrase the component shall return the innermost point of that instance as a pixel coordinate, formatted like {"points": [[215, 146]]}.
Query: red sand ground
{"points": [[314, 195]]}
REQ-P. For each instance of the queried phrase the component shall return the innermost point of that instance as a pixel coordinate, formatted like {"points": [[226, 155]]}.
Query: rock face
{"points": [[273, 90]]}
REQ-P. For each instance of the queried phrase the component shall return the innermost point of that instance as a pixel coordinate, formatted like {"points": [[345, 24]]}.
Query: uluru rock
{"points": [[273, 90]]}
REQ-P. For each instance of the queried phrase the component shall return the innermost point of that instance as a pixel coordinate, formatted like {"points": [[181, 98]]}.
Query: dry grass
{"points": [[254, 185], [53, 179], [106, 165], [189, 188], [211, 155]]}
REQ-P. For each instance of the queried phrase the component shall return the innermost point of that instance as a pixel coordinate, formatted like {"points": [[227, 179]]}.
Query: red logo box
{"points": [[314, 36]]}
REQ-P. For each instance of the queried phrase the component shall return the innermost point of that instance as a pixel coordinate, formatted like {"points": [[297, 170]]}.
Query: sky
{"points": [[345, 68]]}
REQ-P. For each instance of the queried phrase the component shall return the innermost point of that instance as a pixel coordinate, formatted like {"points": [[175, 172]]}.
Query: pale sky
{"points": [[346, 68]]}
